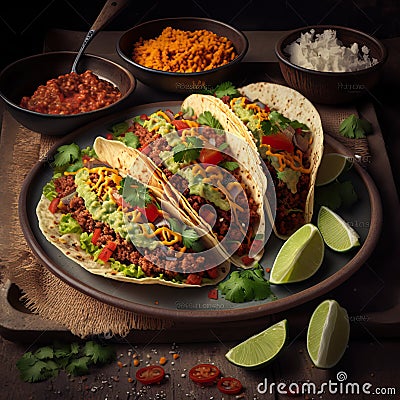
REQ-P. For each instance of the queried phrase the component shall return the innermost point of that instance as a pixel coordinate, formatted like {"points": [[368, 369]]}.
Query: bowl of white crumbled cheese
{"points": [[330, 64]]}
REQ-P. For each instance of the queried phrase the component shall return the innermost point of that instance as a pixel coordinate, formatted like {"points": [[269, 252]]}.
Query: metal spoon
{"points": [[109, 11]]}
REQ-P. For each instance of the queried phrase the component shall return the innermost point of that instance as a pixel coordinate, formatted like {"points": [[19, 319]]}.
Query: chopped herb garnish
{"points": [[47, 361], [206, 118], [130, 140], [189, 236], [66, 154], [229, 165], [189, 151], [120, 128], [223, 146], [134, 192], [355, 128], [246, 285], [223, 89]]}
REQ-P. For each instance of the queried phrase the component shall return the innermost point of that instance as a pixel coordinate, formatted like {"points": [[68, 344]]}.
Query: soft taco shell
{"points": [[69, 245], [292, 105]]}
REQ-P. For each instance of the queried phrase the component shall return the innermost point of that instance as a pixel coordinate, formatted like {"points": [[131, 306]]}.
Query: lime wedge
{"points": [[299, 257], [337, 233], [261, 348], [330, 168], [328, 334]]}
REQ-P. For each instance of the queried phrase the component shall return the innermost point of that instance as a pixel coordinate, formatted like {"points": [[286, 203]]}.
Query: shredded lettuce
{"points": [[86, 243], [131, 270], [68, 225]]}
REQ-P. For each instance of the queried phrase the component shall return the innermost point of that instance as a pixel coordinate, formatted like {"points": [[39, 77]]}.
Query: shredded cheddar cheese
{"points": [[165, 116], [286, 159]]}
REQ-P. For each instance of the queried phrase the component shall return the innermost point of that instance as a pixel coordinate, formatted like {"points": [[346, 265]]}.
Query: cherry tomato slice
{"points": [[150, 374], [204, 373], [178, 124], [228, 385], [210, 156], [278, 142], [53, 206]]}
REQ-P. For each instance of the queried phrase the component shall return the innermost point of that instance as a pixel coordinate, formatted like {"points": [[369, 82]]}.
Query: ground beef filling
{"points": [[289, 207], [152, 263], [144, 135]]}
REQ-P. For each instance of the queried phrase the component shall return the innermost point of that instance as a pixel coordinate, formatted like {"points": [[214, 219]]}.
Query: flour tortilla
{"points": [[69, 245], [292, 105]]}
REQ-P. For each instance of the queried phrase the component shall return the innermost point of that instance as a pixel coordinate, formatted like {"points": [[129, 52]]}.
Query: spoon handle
{"points": [[110, 9]]}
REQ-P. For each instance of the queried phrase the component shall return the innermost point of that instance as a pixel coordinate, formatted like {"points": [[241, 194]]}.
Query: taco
{"points": [[114, 226], [286, 129], [176, 144]]}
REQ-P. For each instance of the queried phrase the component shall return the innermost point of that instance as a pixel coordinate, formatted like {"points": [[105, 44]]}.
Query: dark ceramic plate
{"points": [[193, 303]]}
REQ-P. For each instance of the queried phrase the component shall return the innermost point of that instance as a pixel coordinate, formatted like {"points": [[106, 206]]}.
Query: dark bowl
{"points": [[175, 81], [22, 78], [332, 87]]}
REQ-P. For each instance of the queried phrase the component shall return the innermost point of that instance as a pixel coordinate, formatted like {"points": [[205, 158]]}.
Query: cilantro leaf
{"points": [[223, 146], [44, 352], [188, 152], [355, 128], [120, 128], [189, 236], [336, 195], [130, 140], [175, 225], [135, 193], [33, 369], [225, 89], [206, 118], [67, 154], [78, 366], [98, 353], [74, 348], [229, 165], [296, 124], [246, 285]]}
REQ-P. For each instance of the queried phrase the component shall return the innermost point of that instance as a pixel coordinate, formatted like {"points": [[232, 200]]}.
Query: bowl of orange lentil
{"points": [[183, 55]]}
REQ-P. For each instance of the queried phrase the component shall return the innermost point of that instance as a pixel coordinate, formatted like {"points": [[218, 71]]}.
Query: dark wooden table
{"points": [[369, 295]]}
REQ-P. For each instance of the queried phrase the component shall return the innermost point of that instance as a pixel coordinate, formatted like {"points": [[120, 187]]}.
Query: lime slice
{"points": [[337, 233], [261, 348], [299, 257], [328, 334], [331, 166]]}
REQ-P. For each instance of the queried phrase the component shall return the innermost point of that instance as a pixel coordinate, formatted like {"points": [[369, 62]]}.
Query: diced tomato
{"points": [[109, 136], [144, 117], [150, 374], [213, 294], [247, 260], [228, 385], [210, 156], [53, 206], [96, 235], [204, 373], [85, 158], [178, 124], [298, 130], [150, 211], [193, 279], [266, 108], [111, 245], [105, 254], [213, 272], [278, 142]]}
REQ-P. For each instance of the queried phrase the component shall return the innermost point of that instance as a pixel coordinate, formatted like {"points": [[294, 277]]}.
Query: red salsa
{"points": [[72, 94]]}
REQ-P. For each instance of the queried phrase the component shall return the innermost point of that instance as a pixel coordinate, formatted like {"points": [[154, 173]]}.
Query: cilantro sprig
{"points": [[188, 151], [46, 362], [246, 285], [206, 118], [222, 90], [336, 195], [68, 157], [355, 128], [190, 238], [277, 122], [134, 192]]}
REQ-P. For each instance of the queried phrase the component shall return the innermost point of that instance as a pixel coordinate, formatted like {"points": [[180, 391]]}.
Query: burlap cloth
{"points": [[44, 293]]}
